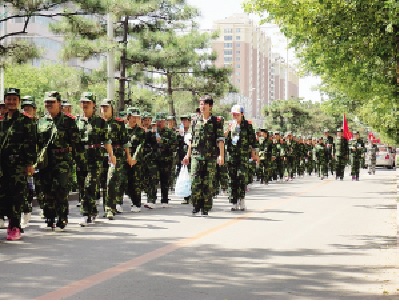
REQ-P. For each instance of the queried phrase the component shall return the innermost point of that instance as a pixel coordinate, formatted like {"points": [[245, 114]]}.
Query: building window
{"points": [[238, 81], [228, 30], [229, 37], [238, 66], [237, 58], [228, 45], [237, 52], [237, 73], [227, 65], [227, 59], [238, 30], [238, 38], [237, 45], [228, 52]]}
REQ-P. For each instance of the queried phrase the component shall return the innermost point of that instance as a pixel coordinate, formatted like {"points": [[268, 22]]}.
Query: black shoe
{"points": [[341, 178], [204, 213], [195, 211], [61, 223]]}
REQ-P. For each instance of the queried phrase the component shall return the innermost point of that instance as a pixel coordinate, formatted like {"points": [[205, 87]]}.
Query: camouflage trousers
{"points": [[290, 167], [13, 188], [322, 168], [355, 167], [165, 178], [202, 177], [55, 187], [91, 187], [237, 180], [134, 185], [115, 192], [340, 166], [264, 170], [221, 179], [150, 177]]}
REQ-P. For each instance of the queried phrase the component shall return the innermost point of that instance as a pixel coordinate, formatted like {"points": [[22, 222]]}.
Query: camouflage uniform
{"points": [[166, 147], [117, 136], [136, 136], [290, 154], [356, 150], [18, 151], [265, 154], [322, 159], [341, 151], [27, 206], [93, 134], [205, 136], [65, 144], [371, 150], [150, 176], [239, 142]]}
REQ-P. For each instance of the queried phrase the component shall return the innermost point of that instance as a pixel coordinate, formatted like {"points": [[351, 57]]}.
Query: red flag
{"points": [[345, 127]]}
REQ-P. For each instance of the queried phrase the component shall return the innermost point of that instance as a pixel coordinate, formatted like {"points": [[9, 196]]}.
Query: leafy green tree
{"points": [[352, 45]]}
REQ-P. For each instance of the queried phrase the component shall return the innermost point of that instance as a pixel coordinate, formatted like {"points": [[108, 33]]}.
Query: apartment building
{"points": [[258, 74]]}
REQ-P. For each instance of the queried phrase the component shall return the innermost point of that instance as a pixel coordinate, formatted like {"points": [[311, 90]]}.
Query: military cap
{"points": [[12, 91], [88, 96], [356, 132], [321, 138], [340, 130], [262, 130], [160, 116], [170, 117], [65, 103], [146, 114], [2, 103], [52, 96], [28, 100], [326, 130], [133, 111], [314, 139], [106, 102], [276, 133], [185, 117], [122, 114], [289, 133], [309, 137]]}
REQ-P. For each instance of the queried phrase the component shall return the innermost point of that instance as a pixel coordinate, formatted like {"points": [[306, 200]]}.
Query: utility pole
{"points": [[122, 76], [110, 59]]}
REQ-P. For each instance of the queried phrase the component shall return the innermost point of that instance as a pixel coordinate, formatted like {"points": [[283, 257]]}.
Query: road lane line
{"points": [[98, 278]]}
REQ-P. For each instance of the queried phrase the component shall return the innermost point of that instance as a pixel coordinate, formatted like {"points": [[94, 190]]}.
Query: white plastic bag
{"points": [[183, 183]]}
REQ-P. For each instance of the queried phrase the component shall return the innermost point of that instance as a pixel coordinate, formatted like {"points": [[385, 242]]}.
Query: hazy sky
{"points": [[212, 10]]}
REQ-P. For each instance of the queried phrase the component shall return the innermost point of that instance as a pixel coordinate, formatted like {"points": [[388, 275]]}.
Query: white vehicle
{"points": [[385, 156]]}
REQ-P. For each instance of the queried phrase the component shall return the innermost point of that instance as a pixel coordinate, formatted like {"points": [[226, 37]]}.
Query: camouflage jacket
{"points": [[93, 133], [321, 152], [356, 149], [341, 148], [150, 152], [136, 136], [167, 145], [206, 136], [278, 149], [240, 141], [265, 148], [18, 139], [117, 136], [66, 142]]}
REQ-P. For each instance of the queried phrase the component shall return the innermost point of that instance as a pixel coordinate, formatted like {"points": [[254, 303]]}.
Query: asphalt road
{"points": [[305, 239]]}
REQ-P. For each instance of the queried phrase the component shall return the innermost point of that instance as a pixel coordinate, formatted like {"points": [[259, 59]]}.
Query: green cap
{"points": [[106, 102], [146, 114], [28, 100], [12, 91], [133, 111], [88, 96], [65, 103], [170, 117], [123, 114], [160, 116], [185, 117], [52, 96]]}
